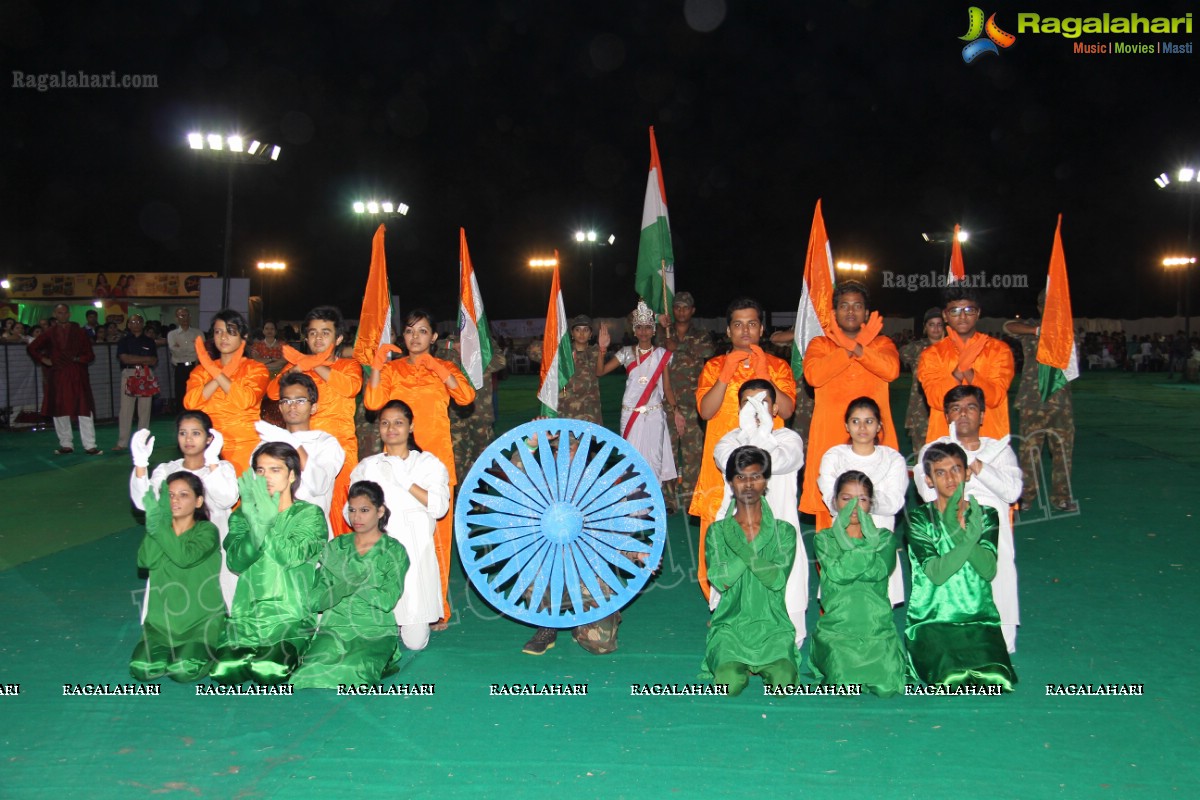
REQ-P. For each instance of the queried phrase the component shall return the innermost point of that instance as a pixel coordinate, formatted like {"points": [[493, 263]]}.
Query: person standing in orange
{"points": [[853, 360], [228, 387], [338, 381], [428, 385], [717, 402], [966, 357]]}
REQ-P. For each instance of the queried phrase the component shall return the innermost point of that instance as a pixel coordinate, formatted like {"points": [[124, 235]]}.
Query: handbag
{"points": [[142, 383]]}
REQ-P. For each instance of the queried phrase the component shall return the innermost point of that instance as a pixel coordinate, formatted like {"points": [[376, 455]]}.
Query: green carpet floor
{"points": [[1108, 596]]}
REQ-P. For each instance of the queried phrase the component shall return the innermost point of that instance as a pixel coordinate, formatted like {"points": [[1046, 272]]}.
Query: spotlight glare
{"points": [[387, 207], [403, 209], [1186, 174], [235, 143], [360, 207], [275, 152], [215, 142], [196, 141], [373, 207]]}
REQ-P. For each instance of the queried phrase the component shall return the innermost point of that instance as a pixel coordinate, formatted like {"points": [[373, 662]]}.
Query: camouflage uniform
{"points": [[692, 350], [805, 401], [1050, 423], [580, 398], [916, 421]]}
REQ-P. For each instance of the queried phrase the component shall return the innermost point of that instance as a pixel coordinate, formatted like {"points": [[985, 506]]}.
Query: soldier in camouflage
{"points": [[692, 346], [916, 421], [580, 398], [472, 427], [1043, 424]]}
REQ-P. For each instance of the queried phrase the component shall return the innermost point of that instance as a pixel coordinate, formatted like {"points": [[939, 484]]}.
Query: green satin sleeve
{"points": [[855, 559], [938, 568], [189, 549], [393, 567], [724, 567], [331, 586], [773, 559], [149, 553], [242, 550], [295, 538], [983, 555]]}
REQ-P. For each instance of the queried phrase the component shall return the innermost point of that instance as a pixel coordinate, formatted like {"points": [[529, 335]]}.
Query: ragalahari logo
{"points": [[976, 28]]}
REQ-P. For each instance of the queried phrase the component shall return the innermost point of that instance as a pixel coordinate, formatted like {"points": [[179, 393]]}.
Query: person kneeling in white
{"points": [[756, 399], [416, 487], [995, 481], [321, 455]]}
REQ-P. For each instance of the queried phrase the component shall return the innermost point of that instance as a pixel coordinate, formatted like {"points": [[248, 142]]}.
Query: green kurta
{"points": [[356, 641], [856, 639], [953, 630], [184, 608], [271, 619], [750, 625]]}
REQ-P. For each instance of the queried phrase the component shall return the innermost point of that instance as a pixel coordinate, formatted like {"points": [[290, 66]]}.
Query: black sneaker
{"points": [[541, 641]]}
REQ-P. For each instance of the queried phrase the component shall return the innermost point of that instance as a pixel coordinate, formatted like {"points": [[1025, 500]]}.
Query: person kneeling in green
{"points": [[749, 555], [359, 583], [272, 546], [953, 632], [183, 610], [856, 640]]}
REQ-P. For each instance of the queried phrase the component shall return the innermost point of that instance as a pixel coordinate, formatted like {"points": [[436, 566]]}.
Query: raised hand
{"points": [[871, 329], [141, 446], [381, 355], [758, 362], [435, 366], [235, 361], [154, 510], [212, 453], [603, 338], [259, 506], [729, 368], [273, 433]]}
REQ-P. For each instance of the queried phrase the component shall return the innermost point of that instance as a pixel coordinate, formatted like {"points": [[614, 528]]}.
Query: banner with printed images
{"points": [[94, 285]]}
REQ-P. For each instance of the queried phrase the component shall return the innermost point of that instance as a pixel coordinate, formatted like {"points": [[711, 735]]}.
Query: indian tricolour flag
{"points": [[558, 365], [375, 319], [1057, 363], [655, 281], [473, 332], [814, 314]]}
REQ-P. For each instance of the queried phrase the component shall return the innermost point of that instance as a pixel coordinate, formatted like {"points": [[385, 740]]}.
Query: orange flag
{"points": [[957, 270], [375, 319], [1057, 360]]}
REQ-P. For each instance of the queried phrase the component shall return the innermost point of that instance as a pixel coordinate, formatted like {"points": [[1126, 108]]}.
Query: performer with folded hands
{"points": [[360, 579], [273, 544], [183, 613], [200, 444], [228, 386], [338, 382], [427, 385], [321, 455], [750, 554], [416, 486]]}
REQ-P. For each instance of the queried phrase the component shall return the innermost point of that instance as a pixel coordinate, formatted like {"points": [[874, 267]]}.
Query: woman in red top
{"points": [[428, 385], [228, 386]]}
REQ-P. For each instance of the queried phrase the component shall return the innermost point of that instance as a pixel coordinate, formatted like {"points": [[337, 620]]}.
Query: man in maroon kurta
{"points": [[65, 350]]}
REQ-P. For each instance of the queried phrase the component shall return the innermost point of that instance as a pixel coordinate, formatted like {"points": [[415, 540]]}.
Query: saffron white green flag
{"points": [[1058, 363], [558, 365], [816, 295], [655, 281], [473, 330]]}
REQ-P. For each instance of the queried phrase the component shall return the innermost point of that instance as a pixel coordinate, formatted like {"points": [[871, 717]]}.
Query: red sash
{"points": [[649, 388]]}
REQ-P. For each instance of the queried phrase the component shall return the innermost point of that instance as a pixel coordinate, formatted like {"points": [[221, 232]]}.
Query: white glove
{"points": [[273, 433], [400, 472], [996, 448], [748, 418], [140, 447], [212, 453], [766, 420]]}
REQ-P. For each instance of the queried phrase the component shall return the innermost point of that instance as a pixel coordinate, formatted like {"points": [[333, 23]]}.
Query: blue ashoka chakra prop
{"points": [[560, 523]]}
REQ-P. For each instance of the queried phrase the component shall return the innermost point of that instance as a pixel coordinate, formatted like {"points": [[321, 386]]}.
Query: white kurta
{"points": [[324, 461], [786, 449], [998, 485], [412, 525], [220, 496], [649, 434], [889, 476]]}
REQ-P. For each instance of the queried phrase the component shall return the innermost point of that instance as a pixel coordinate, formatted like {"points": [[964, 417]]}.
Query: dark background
{"points": [[525, 121]]}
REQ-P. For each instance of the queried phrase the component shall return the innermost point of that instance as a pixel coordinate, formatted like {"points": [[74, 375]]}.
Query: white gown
{"points": [[412, 525], [889, 476], [220, 496], [649, 434], [998, 485], [786, 448]]}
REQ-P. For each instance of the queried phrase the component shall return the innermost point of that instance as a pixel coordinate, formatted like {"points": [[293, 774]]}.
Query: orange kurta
{"points": [[233, 414], [710, 485], [838, 378], [994, 369], [335, 416], [429, 398]]}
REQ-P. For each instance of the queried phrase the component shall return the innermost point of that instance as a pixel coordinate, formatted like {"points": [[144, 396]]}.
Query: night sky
{"points": [[523, 122]]}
